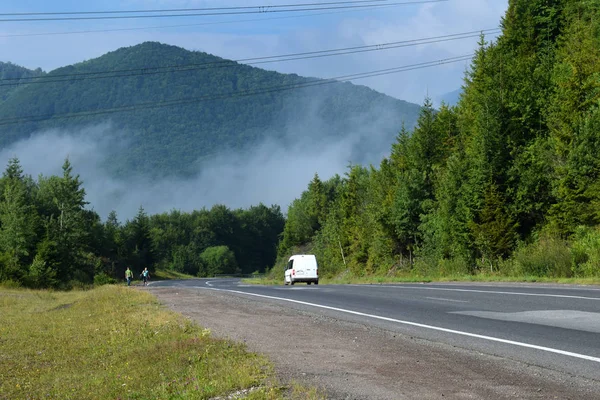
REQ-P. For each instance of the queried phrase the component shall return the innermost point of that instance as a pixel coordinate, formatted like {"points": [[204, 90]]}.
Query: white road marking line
{"points": [[484, 291], [208, 283], [443, 299], [435, 328]]}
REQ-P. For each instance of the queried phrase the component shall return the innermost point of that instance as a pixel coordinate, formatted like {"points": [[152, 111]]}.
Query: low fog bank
{"points": [[273, 172]]}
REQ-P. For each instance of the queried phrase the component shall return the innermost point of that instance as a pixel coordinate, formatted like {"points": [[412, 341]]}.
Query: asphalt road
{"points": [[551, 326]]}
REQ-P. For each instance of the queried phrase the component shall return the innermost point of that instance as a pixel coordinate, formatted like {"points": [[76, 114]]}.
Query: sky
{"points": [[266, 34], [261, 175]]}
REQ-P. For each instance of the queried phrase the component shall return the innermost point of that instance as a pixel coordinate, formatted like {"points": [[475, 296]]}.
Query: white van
{"points": [[302, 268]]}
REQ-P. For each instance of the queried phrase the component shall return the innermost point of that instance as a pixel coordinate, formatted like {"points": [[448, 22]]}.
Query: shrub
{"points": [[453, 267], [219, 260], [549, 257], [10, 284], [103, 279], [585, 252]]}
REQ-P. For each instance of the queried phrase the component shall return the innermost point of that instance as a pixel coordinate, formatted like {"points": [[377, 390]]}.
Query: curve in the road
{"points": [[436, 328]]}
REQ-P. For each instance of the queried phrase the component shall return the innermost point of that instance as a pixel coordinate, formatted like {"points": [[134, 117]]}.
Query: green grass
{"points": [[166, 274], [116, 342], [266, 280]]}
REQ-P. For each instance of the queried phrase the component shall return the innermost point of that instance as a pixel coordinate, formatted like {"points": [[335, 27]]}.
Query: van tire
{"points": [[308, 283], [292, 282], [316, 282]]}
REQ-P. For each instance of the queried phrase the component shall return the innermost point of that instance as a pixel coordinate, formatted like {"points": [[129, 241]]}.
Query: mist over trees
{"points": [[506, 182], [49, 238]]}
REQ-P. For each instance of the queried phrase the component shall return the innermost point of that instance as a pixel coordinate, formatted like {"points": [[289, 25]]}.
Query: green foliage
{"points": [[103, 279], [18, 217], [15, 73], [62, 201], [585, 252], [549, 256], [41, 273], [218, 260], [139, 242], [578, 189], [493, 230], [298, 227]]}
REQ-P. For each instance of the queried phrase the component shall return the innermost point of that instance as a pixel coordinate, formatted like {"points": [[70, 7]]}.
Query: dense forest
{"points": [[13, 75], [50, 238], [506, 182], [170, 109]]}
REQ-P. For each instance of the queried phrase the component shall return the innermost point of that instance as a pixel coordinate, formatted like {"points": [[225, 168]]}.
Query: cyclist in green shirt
{"points": [[128, 276]]}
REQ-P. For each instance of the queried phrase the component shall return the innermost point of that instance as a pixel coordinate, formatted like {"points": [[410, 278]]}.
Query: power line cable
{"points": [[261, 10], [189, 9], [233, 63], [237, 21], [236, 94]]}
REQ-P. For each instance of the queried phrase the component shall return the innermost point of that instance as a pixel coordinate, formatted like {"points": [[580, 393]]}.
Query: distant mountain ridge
{"points": [[450, 98], [11, 73], [215, 109]]}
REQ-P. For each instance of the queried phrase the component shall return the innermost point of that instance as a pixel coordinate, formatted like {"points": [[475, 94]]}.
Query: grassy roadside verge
{"points": [[118, 342], [165, 274]]}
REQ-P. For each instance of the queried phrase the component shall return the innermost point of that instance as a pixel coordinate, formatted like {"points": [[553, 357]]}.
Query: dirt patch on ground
{"points": [[354, 361]]}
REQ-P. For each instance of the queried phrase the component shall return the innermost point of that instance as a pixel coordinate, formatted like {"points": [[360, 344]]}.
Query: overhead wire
{"points": [[141, 11], [57, 78], [236, 21], [256, 60], [236, 94], [260, 10]]}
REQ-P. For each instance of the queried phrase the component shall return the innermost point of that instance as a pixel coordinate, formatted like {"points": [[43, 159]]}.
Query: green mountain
{"points": [[11, 73], [166, 119]]}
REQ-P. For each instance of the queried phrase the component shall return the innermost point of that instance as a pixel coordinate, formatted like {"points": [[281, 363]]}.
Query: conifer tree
{"points": [[18, 224], [64, 199]]}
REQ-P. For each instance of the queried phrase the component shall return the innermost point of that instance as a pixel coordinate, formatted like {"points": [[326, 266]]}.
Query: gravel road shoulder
{"points": [[353, 361]]}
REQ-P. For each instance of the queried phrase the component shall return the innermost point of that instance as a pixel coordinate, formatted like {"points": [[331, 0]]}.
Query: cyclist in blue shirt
{"points": [[145, 276]]}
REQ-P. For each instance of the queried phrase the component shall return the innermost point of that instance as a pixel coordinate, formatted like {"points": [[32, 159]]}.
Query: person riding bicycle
{"points": [[128, 276], [145, 276]]}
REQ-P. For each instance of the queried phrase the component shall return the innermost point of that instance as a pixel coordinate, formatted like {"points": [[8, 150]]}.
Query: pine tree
{"points": [[18, 224], [63, 198], [414, 197], [493, 230], [317, 206]]}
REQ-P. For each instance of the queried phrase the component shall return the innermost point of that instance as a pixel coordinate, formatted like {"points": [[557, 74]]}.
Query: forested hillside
{"points": [[507, 182], [50, 238], [13, 74], [171, 108]]}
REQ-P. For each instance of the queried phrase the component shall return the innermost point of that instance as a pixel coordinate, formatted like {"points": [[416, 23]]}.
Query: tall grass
{"points": [[116, 342]]}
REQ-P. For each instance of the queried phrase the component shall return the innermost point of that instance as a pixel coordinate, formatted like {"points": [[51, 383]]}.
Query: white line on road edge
{"points": [[441, 298], [436, 328], [481, 291]]}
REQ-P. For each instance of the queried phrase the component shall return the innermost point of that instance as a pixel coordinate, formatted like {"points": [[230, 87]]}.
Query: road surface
{"points": [[555, 328]]}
